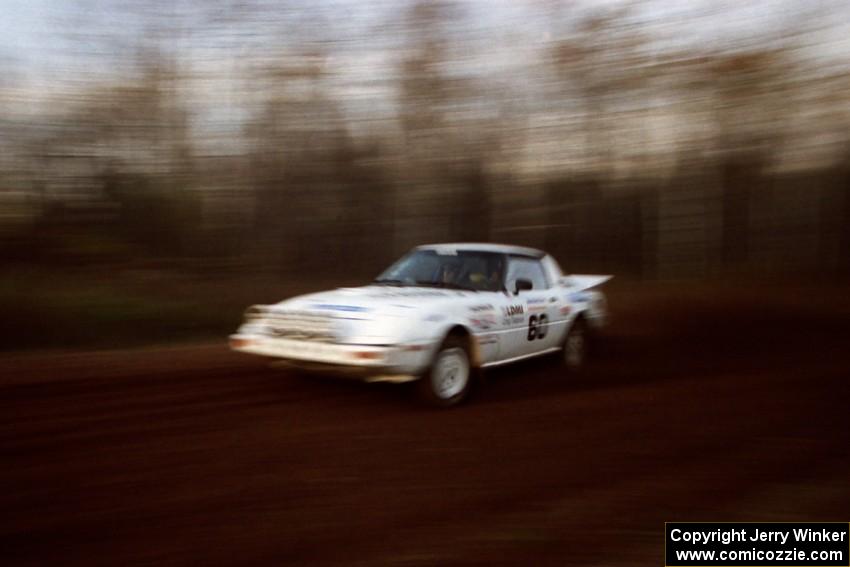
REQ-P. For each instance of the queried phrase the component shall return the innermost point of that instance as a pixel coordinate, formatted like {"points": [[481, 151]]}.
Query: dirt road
{"points": [[696, 408]]}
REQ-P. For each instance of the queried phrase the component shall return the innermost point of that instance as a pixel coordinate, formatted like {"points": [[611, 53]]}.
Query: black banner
{"points": [[761, 544]]}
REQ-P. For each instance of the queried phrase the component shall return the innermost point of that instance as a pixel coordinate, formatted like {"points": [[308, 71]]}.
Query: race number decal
{"points": [[537, 326]]}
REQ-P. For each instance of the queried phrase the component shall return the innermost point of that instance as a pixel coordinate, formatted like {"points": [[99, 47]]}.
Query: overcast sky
{"points": [[45, 42], [42, 35], [49, 49]]}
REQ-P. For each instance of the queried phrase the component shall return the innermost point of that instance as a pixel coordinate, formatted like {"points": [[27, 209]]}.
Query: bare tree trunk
{"points": [[739, 177]]}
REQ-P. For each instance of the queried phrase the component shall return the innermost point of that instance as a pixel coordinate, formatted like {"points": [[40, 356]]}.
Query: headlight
{"points": [[255, 312]]}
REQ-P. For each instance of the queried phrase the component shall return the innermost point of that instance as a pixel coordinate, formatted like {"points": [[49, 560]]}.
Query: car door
{"points": [[527, 315]]}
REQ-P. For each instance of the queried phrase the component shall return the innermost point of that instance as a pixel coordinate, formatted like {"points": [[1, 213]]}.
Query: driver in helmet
{"points": [[449, 274]]}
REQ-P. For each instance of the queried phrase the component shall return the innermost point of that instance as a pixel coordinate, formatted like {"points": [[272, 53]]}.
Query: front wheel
{"points": [[447, 382], [575, 346]]}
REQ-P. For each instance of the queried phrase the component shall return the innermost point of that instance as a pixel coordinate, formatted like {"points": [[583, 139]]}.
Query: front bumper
{"points": [[373, 363]]}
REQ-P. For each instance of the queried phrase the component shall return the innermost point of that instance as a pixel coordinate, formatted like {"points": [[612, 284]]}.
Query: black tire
{"points": [[448, 380], [576, 346]]}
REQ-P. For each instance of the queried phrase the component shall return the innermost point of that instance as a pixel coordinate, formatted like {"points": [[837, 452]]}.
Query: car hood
{"points": [[372, 300], [372, 314]]}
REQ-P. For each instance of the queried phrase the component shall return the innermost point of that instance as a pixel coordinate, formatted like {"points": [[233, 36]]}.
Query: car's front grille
{"points": [[298, 325]]}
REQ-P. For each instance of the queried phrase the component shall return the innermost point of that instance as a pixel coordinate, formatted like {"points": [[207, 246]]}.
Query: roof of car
{"points": [[486, 247]]}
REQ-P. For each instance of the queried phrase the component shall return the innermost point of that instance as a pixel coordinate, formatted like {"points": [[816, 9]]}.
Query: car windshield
{"points": [[460, 269]]}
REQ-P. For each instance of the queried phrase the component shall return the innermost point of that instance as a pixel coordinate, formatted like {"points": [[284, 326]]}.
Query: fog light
{"points": [[236, 342], [368, 355]]}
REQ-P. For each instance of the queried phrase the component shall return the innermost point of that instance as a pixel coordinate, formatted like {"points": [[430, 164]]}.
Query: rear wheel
{"points": [[574, 354], [447, 382]]}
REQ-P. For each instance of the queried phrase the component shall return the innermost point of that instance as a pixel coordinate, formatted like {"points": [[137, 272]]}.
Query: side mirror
{"points": [[522, 284]]}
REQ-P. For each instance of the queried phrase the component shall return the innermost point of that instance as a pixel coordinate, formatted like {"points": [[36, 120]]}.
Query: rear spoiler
{"points": [[581, 282]]}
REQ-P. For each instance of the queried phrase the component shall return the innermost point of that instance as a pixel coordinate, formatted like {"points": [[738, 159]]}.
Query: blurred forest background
{"points": [[162, 164]]}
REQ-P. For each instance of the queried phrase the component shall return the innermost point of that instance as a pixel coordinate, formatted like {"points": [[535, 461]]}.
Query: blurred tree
{"points": [[602, 61], [446, 140], [318, 195], [292, 136], [750, 88], [605, 61]]}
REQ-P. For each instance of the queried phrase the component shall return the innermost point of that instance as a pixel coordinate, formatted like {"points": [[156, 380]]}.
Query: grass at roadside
{"points": [[45, 309], [112, 308]]}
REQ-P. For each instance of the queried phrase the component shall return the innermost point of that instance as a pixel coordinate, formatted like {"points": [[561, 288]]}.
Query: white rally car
{"points": [[436, 315]]}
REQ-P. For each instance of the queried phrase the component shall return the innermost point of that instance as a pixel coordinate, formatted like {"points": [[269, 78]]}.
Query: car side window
{"points": [[525, 268]]}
